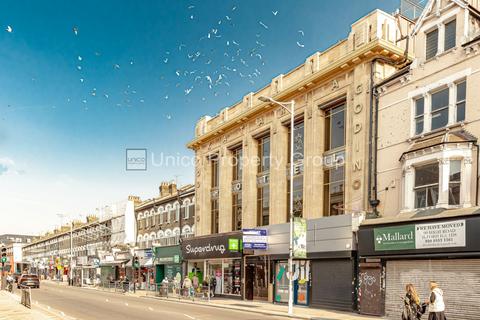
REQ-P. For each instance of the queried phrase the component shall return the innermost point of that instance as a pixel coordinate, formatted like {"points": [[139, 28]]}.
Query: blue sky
{"points": [[82, 81]]}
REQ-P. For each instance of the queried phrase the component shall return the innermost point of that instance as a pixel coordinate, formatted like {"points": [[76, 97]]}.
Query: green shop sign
{"points": [[394, 238], [233, 245]]}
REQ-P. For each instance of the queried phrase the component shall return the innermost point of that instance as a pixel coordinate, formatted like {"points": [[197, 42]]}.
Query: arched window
{"points": [[177, 211], [186, 230], [160, 211], [152, 217], [147, 221], [168, 209]]}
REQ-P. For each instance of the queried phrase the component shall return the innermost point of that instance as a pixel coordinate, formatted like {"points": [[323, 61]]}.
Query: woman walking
{"points": [[436, 304], [412, 309]]}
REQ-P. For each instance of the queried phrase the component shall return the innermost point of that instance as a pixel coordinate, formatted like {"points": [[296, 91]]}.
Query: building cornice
{"points": [[374, 49]]}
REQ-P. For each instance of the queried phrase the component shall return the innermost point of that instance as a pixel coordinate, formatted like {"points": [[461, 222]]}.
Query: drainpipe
{"points": [[372, 196], [373, 127], [477, 180]]}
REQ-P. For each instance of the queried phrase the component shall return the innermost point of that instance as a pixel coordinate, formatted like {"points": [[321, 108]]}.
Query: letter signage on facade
{"points": [[395, 238], [217, 246], [421, 236]]}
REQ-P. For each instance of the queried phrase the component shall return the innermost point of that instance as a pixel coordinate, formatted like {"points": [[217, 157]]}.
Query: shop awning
{"points": [[148, 263], [113, 263]]}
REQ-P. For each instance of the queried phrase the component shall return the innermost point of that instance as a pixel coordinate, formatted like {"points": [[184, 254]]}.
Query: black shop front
{"points": [[217, 257], [444, 247]]}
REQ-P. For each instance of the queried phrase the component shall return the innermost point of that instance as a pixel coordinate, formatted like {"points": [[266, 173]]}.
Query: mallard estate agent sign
{"points": [[420, 236]]}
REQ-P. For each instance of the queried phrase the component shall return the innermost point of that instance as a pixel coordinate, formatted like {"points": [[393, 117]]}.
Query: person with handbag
{"points": [[436, 303], [412, 310]]}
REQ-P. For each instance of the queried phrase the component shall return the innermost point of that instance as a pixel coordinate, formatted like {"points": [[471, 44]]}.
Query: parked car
{"points": [[28, 280]]}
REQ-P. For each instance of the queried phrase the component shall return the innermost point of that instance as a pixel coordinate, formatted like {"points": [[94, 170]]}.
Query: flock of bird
{"points": [[202, 70]]}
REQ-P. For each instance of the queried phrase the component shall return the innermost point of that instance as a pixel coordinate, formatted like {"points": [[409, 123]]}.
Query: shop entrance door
{"points": [[249, 279], [216, 273], [370, 295], [160, 273]]}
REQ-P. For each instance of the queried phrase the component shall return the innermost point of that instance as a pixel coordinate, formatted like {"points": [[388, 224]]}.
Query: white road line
{"points": [[186, 315]]}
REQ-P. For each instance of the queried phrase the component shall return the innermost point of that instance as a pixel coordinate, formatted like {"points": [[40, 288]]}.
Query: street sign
{"points": [[255, 239]]}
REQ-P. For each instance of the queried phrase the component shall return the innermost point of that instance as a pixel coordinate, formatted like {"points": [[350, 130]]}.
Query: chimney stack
{"points": [[164, 189]]}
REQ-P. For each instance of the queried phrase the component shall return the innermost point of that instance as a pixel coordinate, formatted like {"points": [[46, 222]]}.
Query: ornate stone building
{"points": [[242, 179], [332, 97]]}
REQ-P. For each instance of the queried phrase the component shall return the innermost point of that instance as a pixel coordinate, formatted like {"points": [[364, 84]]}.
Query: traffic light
{"points": [[4, 256], [136, 262]]}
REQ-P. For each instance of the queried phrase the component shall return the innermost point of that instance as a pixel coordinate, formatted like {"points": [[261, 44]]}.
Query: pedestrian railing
{"points": [[26, 296]]}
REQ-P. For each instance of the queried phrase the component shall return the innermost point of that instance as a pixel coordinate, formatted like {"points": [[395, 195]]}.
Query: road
{"points": [[87, 304]]}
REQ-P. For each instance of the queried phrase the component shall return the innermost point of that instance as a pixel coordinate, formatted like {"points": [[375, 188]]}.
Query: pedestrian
{"points": [[436, 304], [412, 310]]}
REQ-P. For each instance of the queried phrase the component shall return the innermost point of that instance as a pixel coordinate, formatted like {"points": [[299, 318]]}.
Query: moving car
{"points": [[28, 280]]}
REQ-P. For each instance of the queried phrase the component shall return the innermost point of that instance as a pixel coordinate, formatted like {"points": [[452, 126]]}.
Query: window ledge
{"points": [[441, 54], [437, 131]]}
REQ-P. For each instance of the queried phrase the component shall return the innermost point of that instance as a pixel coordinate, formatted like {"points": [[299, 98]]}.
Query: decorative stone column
{"points": [[465, 187], [443, 185], [249, 182], [278, 173], [225, 188], [409, 178]]}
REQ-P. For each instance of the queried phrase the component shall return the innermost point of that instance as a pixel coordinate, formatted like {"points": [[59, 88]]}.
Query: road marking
{"points": [[186, 315]]}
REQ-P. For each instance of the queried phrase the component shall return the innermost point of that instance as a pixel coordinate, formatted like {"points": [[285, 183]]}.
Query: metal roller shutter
{"points": [[458, 278], [332, 284]]}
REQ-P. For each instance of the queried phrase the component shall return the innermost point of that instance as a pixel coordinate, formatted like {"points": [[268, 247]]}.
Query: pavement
{"points": [[216, 308], [79, 303], [11, 309]]}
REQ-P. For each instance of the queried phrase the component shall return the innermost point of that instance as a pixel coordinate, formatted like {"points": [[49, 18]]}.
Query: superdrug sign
{"points": [[227, 245]]}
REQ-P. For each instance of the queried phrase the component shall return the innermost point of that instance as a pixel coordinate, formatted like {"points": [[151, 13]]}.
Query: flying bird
{"points": [[263, 24], [75, 30], [9, 29], [300, 45], [275, 12], [301, 32]]}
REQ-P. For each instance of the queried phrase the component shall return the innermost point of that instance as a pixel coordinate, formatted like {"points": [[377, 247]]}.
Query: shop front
{"points": [[167, 263], [114, 267], [145, 275], [416, 250], [215, 260], [323, 276]]}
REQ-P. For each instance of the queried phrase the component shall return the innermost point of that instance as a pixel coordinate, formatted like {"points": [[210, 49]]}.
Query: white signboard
{"points": [[440, 235]]}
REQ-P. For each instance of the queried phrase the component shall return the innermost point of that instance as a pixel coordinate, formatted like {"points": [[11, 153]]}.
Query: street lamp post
{"points": [[71, 255], [291, 110]]}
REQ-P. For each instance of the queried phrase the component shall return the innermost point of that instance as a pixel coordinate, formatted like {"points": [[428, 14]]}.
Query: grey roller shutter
{"points": [[432, 44], [458, 278], [332, 284]]}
